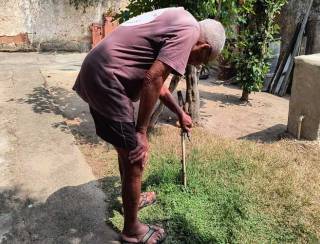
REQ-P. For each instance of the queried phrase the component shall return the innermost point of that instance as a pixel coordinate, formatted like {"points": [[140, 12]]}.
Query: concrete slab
{"points": [[313, 59], [48, 193], [304, 109]]}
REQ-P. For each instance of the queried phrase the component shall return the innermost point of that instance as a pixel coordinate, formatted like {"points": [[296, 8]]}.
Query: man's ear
{"points": [[200, 46], [205, 46]]}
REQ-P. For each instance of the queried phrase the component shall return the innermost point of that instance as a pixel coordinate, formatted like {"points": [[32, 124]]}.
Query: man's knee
{"points": [[133, 170], [129, 170]]}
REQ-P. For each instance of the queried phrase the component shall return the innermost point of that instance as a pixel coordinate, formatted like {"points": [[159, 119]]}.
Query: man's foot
{"points": [[147, 199], [150, 235]]}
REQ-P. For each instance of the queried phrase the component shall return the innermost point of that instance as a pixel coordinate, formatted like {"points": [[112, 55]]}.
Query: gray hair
{"points": [[213, 33]]}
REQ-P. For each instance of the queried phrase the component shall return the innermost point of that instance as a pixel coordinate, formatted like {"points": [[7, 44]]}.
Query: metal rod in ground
{"points": [[183, 160]]}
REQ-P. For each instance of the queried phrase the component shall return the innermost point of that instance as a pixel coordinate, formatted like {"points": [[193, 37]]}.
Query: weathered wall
{"points": [[51, 24], [304, 99], [291, 14]]}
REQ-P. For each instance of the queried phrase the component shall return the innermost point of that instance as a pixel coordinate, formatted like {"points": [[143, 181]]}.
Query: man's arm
{"points": [[152, 84], [169, 101]]}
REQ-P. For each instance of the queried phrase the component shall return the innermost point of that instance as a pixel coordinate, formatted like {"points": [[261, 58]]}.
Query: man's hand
{"points": [[140, 153], [185, 122], [168, 100]]}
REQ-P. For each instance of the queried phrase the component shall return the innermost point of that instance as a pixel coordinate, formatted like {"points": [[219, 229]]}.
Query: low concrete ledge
{"points": [[304, 110]]}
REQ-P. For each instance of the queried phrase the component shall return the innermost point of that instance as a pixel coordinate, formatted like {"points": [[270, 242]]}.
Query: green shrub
{"points": [[258, 28]]}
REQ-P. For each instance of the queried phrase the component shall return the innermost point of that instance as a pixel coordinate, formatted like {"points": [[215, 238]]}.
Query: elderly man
{"points": [[133, 63]]}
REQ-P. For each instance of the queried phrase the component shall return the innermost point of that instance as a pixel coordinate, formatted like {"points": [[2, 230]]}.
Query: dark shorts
{"points": [[119, 134]]}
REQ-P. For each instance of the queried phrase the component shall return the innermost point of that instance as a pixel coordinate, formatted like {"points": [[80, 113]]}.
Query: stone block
{"points": [[305, 98]]}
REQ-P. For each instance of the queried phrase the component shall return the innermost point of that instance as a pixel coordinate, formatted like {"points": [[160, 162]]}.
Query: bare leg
{"points": [[146, 198], [133, 229], [131, 188]]}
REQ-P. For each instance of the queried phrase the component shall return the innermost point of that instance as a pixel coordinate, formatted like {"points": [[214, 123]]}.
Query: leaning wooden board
{"points": [[281, 80]]}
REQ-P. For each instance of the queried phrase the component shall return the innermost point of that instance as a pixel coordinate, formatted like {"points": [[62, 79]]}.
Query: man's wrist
{"points": [[180, 113]]}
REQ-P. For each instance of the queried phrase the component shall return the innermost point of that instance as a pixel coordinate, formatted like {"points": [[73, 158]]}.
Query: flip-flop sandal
{"points": [[145, 201], [146, 237], [204, 73]]}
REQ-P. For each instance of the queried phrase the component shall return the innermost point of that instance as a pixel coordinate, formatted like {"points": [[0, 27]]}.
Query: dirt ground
{"points": [[263, 119]]}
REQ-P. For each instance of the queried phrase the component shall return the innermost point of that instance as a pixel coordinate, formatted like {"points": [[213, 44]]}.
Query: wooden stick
{"points": [[296, 49], [183, 143], [183, 160]]}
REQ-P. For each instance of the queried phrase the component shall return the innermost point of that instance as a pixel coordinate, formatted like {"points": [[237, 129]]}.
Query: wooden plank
{"points": [[281, 79], [283, 62], [296, 50]]}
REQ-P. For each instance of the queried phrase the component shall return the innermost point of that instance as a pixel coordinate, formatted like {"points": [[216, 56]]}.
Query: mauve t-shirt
{"points": [[112, 73]]}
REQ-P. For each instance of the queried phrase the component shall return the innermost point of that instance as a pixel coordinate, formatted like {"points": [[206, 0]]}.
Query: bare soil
{"points": [[264, 118]]}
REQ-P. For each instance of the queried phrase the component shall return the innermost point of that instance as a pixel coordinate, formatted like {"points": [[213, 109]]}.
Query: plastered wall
{"points": [[304, 109], [50, 24]]}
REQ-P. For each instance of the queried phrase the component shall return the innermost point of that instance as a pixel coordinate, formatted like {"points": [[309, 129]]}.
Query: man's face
{"points": [[201, 53]]}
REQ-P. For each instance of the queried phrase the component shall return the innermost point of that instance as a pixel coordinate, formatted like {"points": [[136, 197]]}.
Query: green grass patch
{"points": [[230, 198], [215, 208]]}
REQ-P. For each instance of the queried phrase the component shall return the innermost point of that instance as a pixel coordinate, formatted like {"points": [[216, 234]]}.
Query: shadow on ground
{"points": [[56, 100], [167, 117], [73, 214], [170, 118], [269, 135], [225, 99], [186, 231]]}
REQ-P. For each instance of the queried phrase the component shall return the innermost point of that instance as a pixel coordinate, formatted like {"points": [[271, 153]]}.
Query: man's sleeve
{"points": [[176, 48]]}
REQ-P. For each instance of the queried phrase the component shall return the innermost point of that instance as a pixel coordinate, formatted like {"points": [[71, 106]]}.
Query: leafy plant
{"points": [[136, 7], [257, 30]]}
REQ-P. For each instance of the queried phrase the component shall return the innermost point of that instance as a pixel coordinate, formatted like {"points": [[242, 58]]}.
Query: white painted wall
{"points": [[52, 24]]}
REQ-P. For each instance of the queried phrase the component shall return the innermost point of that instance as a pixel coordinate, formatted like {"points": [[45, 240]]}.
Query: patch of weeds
{"points": [[235, 194], [214, 207]]}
